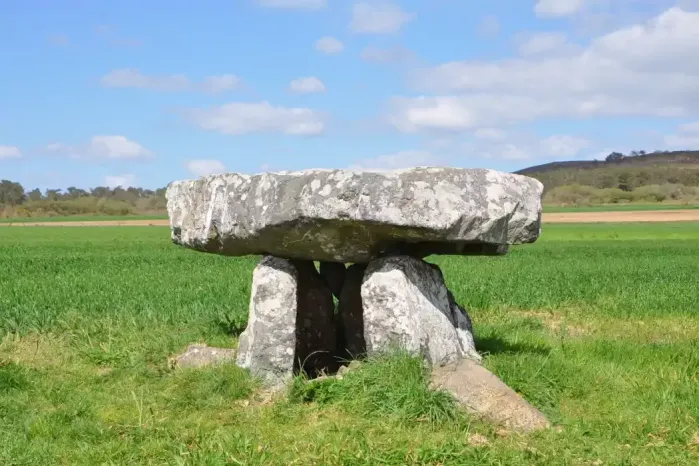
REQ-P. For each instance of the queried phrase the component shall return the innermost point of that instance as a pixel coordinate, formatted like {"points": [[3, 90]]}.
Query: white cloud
{"points": [[123, 181], [563, 146], [329, 45], [10, 152], [309, 85], [491, 143], [127, 77], [557, 8], [488, 27], [686, 137], [205, 167], [294, 4], [489, 134], [103, 147], [546, 43], [648, 69], [404, 159], [244, 118], [690, 127], [378, 18], [394, 54], [221, 83]]}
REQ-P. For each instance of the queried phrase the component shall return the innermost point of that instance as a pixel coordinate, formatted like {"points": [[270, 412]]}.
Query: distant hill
{"points": [[625, 172], [617, 159]]}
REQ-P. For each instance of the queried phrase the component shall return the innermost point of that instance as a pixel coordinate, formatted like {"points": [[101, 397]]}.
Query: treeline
{"points": [[15, 201], [671, 177], [580, 195]]}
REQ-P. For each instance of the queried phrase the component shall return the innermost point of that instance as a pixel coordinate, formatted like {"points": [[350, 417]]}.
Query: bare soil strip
{"points": [[563, 217], [614, 217]]}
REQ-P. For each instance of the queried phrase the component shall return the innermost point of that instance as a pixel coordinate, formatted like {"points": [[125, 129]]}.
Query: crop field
{"points": [[597, 325], [630, 207]]}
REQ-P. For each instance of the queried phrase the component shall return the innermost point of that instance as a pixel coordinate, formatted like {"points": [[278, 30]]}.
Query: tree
{"points": [[34, 195], [53, 194], [11, 193], [614, 157]]}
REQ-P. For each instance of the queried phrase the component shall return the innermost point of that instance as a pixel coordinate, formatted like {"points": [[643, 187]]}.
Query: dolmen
{"points": [[371, 289]]}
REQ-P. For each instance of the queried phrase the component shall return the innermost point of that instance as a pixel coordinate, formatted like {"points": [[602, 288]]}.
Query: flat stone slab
{"points": [[482, 393], [201, 355], [356, 216]]}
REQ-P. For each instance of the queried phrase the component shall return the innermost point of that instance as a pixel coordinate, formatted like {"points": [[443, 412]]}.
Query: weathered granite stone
{"points": [[464, 327], [406, 304], [355, 216], [350, 314], [268, 345], [201, 355], [334, 275], [482, 393], [315, 322], [291, 324]]}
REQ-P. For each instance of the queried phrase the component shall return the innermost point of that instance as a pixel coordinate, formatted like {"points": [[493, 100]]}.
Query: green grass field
{"points": [[596, 325]]}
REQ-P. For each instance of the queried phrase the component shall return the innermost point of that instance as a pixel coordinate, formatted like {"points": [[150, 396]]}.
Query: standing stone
{"points": [[315, 329], [406, 303], [267, 346], [351, 316]]}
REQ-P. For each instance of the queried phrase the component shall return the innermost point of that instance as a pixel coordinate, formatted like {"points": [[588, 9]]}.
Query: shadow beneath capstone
{"points": [[496, 345]]}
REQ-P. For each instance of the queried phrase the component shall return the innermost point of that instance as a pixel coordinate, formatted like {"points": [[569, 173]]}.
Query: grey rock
{"points": [[482, 393], [315, 322], [351, 315], [201, 355], [291, 323], [334, 275], [355, 216], [464, 327], [268, 345], [406, 304]]}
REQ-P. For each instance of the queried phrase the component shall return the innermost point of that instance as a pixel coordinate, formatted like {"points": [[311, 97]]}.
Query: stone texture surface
{"points": [[201, 355], [268, 345], [350, 314], [315, 321], [483, 393], [407, 304], [354, 216]]}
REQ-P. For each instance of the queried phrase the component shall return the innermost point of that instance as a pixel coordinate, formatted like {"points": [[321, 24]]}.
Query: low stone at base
{"points": [[483, 393]]}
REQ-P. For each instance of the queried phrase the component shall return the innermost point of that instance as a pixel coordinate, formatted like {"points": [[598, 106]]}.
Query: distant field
{"points": [[619, 208], [596, 325], [82, 218]]}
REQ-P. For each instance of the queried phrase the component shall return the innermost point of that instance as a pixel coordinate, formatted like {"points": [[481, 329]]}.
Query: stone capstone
{"points": [[348, 216], [406, 304]]}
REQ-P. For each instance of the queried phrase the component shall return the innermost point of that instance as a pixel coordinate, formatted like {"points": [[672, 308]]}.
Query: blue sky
{"points": [[143, 93]]}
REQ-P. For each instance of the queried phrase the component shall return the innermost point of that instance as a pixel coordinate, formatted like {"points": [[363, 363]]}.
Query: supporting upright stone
{"points": [[268, 345], [407, 304], [291, 323]]}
